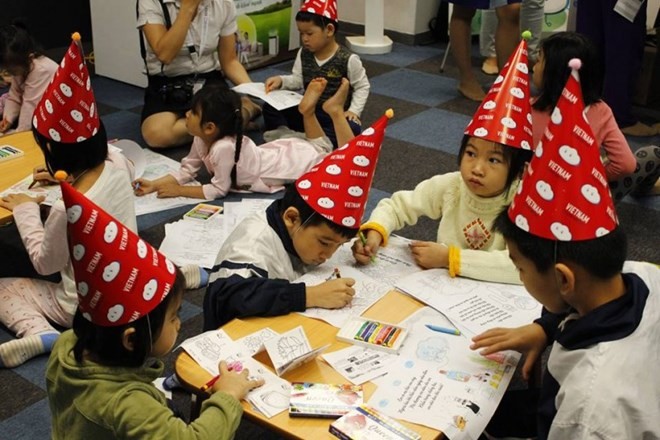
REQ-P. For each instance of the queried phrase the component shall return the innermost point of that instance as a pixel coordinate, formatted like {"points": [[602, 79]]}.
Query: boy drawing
{"points": [[320, 57], [269, 250], [563, 236]]}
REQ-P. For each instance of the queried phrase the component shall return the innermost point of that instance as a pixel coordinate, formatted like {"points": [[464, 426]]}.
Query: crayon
{"points": [[365, 333], [363, 239], [11, 150], [383, 334], [449, 331], [374, 333], [389, 342]]}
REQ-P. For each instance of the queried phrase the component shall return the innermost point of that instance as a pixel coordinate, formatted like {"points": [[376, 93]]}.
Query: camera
{"points": [[178, 93]]}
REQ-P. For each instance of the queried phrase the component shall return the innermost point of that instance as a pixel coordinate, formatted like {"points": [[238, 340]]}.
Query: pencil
{"points": [[210, 383], [363, 239]]}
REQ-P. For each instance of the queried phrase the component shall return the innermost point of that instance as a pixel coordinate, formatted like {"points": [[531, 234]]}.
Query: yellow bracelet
{"points": [[454, 261]]}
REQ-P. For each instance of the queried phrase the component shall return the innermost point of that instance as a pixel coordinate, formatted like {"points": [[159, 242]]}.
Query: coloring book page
{"points": [[475, 306], [198, 243], [367, 292], [51, 192], [291, 349], [358, 364], [279, 99], [437, 381]]}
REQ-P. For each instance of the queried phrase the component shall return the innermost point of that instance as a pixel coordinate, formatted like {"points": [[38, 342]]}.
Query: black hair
{"points": [[17, 47], [558, 49], [221, 106], [75, 157], [515, 158], [105, 344], [318, 20], [602, 257], [308, 216]]}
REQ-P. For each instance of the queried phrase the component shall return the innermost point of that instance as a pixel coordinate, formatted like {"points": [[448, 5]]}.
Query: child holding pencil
{"points": [[491, 158], [99, 376]]}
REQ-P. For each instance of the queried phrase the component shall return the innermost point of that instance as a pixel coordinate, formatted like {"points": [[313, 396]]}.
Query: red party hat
{"points": [[324, 8], [338, 187], [119, 277], [67, 110], [564, 193], [504, 116]]}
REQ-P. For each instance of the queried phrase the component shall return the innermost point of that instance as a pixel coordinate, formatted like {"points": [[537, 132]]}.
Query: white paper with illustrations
{"points": [[358, 364], [475, 306], [157, 166], [191, 242], [254, 342], [367, 292], [392, 262], [208, 348], [437, 381], [51, 192], [291, 349], [279, 99]]}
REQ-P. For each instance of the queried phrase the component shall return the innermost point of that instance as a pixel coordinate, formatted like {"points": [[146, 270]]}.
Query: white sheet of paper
{"points": [[157, 166], [279, 99], [254, 342], [367, 292], [437, 381], [209, 348], [192, 242], [51, 192], [476, 306], [358, 364], [628, 9], [291, 349]]}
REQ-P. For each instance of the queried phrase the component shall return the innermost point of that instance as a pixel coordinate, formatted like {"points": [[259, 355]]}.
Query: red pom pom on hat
{"points": [[564, 194], [504, 115], [67, 111], [324, 8]]}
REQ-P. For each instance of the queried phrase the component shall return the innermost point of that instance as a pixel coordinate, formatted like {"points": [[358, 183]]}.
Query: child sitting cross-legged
{"points": [[491, 159], [263, 256], [564, 238], [99, 375]]}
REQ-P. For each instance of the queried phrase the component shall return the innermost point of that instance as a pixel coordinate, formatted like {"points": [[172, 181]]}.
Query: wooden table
{"points": [[393, 307], [15, 170]]}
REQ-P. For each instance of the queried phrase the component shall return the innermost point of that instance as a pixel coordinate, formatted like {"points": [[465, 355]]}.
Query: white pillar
{"points": [[374, 41]]}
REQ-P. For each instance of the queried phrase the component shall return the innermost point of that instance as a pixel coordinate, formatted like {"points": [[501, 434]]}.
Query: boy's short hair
{"points": [[318, 20], [602, 257], [75, 157], [308, 216], [514, 157], [105, 343]]}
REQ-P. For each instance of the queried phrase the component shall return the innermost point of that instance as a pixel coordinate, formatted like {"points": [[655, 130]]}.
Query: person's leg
{"points": [[507, 34], [487, 41], [531, 18], [334, 107], [166, 129], [249, 110], [307, 108], [460, 37], [26, 306]]}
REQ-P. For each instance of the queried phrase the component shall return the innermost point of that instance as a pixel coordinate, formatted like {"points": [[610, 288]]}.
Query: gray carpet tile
{"points": [[414, 86]]}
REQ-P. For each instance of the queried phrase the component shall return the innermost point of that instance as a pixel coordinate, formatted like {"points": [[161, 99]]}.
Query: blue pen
{"points": [[449, 331]]}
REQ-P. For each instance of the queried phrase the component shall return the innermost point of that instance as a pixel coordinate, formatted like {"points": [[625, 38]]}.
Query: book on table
{"points": [[323, 400]]}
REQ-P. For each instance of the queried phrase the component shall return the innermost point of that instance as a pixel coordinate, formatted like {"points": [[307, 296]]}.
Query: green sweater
{"points": [[92, 401]]}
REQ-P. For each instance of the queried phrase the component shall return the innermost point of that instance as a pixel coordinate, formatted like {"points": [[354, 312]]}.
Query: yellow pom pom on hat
{"points": [[338, 187], [564, 194], [67, 111], [119, 277], [504, 115]]}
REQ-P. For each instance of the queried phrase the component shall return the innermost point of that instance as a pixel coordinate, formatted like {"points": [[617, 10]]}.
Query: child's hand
{"points": [[429, 254], [235, 384], [4, 125], [363, 253], [352, 117], [530, 340], [11, 201], [333, 294], [40, 174], [273, 83], [143, 187]]}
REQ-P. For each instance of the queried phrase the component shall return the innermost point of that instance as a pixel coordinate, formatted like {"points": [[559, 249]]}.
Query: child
{"points": [[625, 172], [31, 73], [269, 250], [5, 83], [491, 159], [72, 138], [99, 376], [320, 56], [572, 263], [216, 125]]}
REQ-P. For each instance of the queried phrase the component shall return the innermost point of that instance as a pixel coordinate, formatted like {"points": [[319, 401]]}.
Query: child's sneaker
{"points": [[194, 276]]}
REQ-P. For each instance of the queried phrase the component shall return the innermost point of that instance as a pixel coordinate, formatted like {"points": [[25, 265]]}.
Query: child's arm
{"points": [[295, 80], [492, 265], [33, 89], [12, 105], [405, 207], [530, 340], [357, 75], [620, 161]]}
